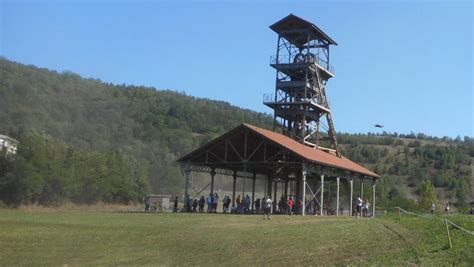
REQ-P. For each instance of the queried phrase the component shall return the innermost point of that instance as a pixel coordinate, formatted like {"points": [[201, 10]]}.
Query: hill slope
{"points": [[153, 126]]}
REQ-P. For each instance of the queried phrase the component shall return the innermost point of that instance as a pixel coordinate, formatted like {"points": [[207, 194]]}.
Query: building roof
{"points": [[4, 137], [307, 153], [293, 20], [312, 154]]}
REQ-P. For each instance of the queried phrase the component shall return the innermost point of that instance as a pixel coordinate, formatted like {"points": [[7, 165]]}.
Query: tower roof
{"points": [[291, 21]]}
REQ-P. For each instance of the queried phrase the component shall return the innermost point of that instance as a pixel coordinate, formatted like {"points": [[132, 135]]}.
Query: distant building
{"points": [[8, 144], [159, 202]]}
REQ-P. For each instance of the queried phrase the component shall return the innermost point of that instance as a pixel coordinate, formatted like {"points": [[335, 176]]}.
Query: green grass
{"points": [[95, 238]]}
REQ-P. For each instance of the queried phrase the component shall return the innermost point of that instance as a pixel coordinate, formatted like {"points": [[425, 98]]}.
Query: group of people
{"points": [[198, 204], [265, 205], [242, 205], [362, 207], [446, 208]]}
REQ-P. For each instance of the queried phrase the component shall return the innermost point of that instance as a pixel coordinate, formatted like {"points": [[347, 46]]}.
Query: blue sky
{"points": [[405, 64]]}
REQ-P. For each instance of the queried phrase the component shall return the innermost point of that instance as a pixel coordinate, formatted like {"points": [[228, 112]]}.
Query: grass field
{"points": [[106, 238]]}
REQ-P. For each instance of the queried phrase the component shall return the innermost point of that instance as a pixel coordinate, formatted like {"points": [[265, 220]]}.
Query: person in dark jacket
{"points": [[195, 203], [202, 201], [175, 205]]}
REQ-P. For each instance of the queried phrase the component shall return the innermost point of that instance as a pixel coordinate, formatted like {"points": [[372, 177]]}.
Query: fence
{"points": [[426, 216]]}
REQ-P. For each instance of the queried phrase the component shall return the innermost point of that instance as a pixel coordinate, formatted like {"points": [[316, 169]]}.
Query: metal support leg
{"points": [[337, 196], [322, 194], [187, 172], [186, 182], [233, 189], [351, 182], [253, 192], [275, 194], [213, 174], [303, 190], [373, 198], [269, 187], [298, 194]]}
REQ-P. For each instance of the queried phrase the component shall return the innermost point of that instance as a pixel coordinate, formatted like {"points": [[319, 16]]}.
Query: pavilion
{"points": [[250, 152]]}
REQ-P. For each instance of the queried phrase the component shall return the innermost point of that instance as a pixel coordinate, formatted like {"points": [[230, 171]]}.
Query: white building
{"points": [[8, 144]]}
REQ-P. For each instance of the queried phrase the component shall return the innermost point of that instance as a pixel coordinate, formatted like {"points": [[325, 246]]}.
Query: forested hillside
{"points": [[84, 140], [150, 126], [415, 167]]}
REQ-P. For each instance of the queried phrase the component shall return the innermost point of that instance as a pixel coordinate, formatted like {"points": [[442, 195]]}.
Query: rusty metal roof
{"points": [[314, 155], [310, 154]]}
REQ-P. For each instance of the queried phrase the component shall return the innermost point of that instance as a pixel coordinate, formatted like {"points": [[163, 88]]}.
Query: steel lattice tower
{"points": [[302, 70]]}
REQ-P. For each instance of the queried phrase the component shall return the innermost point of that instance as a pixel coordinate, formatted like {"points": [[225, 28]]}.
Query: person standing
{"points": [[359, 203], [215, 201], [446, 208], [433, 207], [147, 203], [175, 204], [195, 204], [187, 206], [209, 203], [247, 204], [291, 203], [366, 207], [202, 201], [268, 208], [257, 205], [224, 205], [300, 206], [228, 203]]}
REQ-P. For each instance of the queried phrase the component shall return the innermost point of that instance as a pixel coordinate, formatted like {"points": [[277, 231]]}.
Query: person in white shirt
{"points": [[267, 208], [433, 207], [359, 203], [446, 209]]}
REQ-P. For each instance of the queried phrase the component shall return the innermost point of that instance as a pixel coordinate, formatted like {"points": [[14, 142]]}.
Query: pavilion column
{"points": [[269, 187], [286, 188], [233, 189], [373, 197], [351, 183], [362, 188], [186, 181], [322, 194], [213, 174], [337, 196], [253, 191], [297, 193], [187, 172], [303, 190], [275, 194]]}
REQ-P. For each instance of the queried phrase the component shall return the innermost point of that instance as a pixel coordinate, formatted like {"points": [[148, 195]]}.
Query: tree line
{"points": [[49, 172]]}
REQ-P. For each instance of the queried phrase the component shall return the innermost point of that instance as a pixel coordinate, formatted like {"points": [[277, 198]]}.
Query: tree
{"points": [[427, 195]]}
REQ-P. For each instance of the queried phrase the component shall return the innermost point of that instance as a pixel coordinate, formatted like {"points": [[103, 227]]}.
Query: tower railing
{"points": [[270, 98], [298, 58]]}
